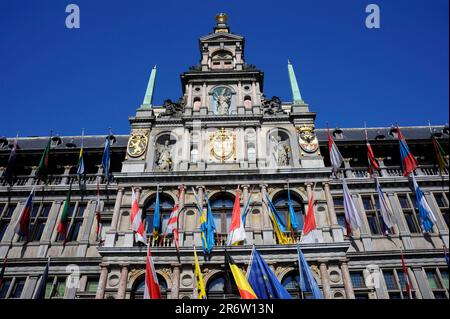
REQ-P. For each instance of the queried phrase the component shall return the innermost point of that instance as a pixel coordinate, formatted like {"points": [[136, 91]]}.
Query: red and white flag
{"points": [[336, 158], [136, 219], [373, 164], [236, 233], [406, 277], [172, 224], [310, 223], [151, 290]]}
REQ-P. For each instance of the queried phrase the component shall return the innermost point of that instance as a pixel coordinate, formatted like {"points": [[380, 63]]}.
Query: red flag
{"points": [[406, 278], [310, 220], [136, 219], [152, 290], [373, 164]]}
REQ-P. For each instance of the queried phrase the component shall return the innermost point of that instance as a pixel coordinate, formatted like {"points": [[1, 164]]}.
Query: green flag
{"points": [[64, 220], [42, 170]]}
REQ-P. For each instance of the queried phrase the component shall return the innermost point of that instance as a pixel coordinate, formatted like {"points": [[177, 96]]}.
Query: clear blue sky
{"points": [[95, 77]]}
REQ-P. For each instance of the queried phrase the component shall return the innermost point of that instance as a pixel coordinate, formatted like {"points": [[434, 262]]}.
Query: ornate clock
{"points": [[223, 145], [137, 144]]}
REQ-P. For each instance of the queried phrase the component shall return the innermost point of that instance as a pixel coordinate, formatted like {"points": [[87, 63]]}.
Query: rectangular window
{"points": [[438, 282], [91, 284], [3, 227], [4, 288], [442, 202], [339, 209], [408, 204], [17, 288], [357, 280], [395, 284]]}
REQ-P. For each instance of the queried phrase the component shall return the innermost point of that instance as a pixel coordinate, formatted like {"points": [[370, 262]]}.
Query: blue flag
{"points": [[210, 226], [263, 281], [157, 216], [293, 220], [426, 215], [307, 281], [106, 159]]}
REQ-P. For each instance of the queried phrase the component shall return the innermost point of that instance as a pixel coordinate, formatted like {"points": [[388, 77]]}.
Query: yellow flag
{"points": [[198, 276], [282, 238]]}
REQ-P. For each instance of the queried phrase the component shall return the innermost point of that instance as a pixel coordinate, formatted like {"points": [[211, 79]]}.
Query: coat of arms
{"points": [[137, 144], [307, 139]]}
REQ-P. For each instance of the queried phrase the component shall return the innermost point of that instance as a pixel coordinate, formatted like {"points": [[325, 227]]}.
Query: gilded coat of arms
{"points": [[137, 144], [223, 145], [307, 139]]}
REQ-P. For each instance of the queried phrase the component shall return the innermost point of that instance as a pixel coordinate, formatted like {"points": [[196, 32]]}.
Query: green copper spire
{"points": [[296, 96], [149, 92]]}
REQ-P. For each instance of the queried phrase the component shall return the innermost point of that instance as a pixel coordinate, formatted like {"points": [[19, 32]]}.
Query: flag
{"points": [[292, 218], [405, 277], [263, 281], [408, 161], [8, 174], [40, 290], [172, 223], [210, 226], [64, 220], [136, 219], [246, 208], [22, 227], [373, 164], [426, 215], [106, 159], [201, 292], [42, 170], [445, 255], [307, 281], [236, 233], [440, 154], [245, 290], [157, 216], [336, 158], [80, 169], [310, 220], [278, 225], [351, 214], [97, 214], [2, 272], [151, 289], [385, 208]]}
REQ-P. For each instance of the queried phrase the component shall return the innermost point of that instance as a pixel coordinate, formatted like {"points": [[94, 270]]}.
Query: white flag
{"points": [[351, 213], [336, 158], [385, 208]]}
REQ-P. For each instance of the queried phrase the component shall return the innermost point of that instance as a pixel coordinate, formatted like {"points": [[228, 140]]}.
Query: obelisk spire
{"points": [[296, 96], [148, 98]]}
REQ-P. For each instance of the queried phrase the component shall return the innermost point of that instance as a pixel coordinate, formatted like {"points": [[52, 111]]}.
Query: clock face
{"points": [[222, 145]]}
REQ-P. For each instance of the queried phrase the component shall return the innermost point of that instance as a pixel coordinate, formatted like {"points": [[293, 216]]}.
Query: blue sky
{"points": [[53, 78]]}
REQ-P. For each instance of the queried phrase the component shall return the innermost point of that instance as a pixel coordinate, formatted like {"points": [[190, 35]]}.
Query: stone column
{"points": [[181, 226], [65, 178], [122, 282], [245, 193], [200, 197], [116, 213], [175, 281], [102, 282], [347, 281], [414, 284], [264, 208], [336, 229], [99, 173], [325, 280], [30, 180]]}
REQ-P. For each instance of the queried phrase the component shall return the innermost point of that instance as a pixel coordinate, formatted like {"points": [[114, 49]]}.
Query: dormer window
{"points": [[222, 60]]}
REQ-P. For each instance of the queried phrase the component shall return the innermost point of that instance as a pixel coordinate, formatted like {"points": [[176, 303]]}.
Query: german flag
{"points": [[245, 290]]}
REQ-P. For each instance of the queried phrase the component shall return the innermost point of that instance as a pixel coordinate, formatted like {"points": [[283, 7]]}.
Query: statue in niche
{"points": [[222, 100], [164, 156], [280, 151], [272, 106], [173, 109]]}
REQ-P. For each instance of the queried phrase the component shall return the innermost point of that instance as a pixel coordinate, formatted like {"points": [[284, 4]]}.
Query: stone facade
{"points": [[224, 133]]}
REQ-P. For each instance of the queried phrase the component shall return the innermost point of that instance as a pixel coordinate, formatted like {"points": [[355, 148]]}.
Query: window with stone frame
{"points": [[408, 205], [371, 206], [338, 202], [6, 212], [166, 204], [443, 204], [76, 219], [438, 282], [137, 292], [55, 287], [12, 288], [90, 288], [221, 287], [222, 209], [38, 219], [396, 284], [291, 282], [359, 285], [281, 203], [105, 219]]}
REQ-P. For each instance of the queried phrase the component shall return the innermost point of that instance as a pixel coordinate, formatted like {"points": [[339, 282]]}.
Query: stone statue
{"points": [[280, 151], [222, 104], [222, 100], [164, 156], [173, 109], [272, 106]]}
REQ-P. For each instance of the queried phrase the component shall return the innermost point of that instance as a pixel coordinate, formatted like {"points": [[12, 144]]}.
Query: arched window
{"points": [[248, 102], [222, 209], [290, 282], [281, 203], [166, 204], [219, 287], [137, 291]]}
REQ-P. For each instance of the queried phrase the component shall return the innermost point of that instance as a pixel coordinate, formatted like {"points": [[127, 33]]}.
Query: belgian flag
{"points": [[245, 290]]}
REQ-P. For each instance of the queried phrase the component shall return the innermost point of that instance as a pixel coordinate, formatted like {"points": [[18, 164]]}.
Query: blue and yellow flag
{"points": [[157, 216], [293, 225], [263, 281], [210, 227]]}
